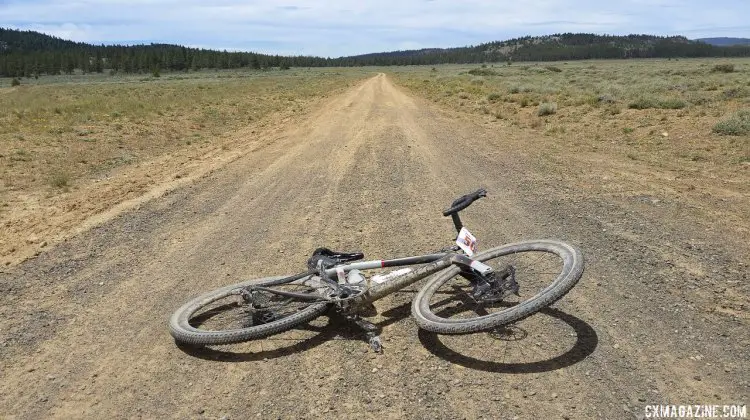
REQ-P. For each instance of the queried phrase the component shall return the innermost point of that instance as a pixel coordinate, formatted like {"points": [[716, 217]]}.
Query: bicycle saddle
{"points": [[331, 258]]}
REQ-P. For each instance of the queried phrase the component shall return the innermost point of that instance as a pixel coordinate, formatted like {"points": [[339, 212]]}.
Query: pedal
{"points": [[371, 330]]}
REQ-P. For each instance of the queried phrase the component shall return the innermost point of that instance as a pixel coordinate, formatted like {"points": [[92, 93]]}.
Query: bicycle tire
{"points": [[183, 332], [570, 273]]}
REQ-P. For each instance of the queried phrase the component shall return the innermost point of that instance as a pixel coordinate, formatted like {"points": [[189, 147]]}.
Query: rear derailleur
{"points": [[257, 308]]}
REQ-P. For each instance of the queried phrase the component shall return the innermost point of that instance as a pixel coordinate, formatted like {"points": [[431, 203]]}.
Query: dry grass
{"points": [[58, 130], [658, 111], [737, 125], [674, 133]]}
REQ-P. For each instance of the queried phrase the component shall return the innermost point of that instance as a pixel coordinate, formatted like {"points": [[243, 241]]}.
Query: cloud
{"points": [[343, 27]]}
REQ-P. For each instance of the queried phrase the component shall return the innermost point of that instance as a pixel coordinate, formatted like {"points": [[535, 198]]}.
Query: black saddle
{"points": [[331, 258]]}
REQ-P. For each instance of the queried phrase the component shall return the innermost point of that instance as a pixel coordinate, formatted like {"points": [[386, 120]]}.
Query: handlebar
{"points": [[464, 201]]}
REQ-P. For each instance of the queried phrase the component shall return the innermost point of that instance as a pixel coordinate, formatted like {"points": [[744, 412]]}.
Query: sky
{"points": [[334, 28]]}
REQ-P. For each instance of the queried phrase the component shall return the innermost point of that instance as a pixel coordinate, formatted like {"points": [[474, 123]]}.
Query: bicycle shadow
{"points": [[338, 328], [586, 342]]}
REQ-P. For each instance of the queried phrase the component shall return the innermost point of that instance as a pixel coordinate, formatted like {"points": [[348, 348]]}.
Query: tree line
{"points": [[28, 53]]}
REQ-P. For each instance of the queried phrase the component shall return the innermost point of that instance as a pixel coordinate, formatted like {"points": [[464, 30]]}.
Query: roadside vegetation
{"points": [[737, 125], [58, 130], [673, 135], [693, 112]]}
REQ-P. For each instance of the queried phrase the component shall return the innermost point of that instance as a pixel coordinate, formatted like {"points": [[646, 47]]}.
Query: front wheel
{"points": [[222, 316], [545, 270]]}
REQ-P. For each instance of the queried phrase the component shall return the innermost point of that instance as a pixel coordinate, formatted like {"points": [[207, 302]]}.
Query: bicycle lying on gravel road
{"points": [[470, 292]]}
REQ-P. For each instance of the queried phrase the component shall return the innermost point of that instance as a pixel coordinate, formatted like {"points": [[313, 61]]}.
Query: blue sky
{"points": [[345, 27]]}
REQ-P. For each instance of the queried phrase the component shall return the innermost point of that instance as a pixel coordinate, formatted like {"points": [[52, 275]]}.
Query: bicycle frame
{"points": [[433, 264]]}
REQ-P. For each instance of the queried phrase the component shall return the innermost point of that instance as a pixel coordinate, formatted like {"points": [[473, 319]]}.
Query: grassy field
{"points": [[667, 133], [75, 150], [685, 115], [55, 131], [637, 106]]}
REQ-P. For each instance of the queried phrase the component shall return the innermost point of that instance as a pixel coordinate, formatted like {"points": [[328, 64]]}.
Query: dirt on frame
{"points": [[660, 316]]}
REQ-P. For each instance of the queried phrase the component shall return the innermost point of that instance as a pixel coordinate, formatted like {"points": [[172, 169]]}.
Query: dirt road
{"points": [[661, 315]]}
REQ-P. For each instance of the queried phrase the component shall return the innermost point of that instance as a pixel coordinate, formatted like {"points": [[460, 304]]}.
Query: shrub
{"points": [[698, 99], [519, 89], [737, 125], [60, 180], [723, 68], [21, 155], [735, 92], [646, 103], [482, 72], [15, 82], [672, 104], [612, 109], [546, 109], [553, 69], [492, 97], [643, 103]]}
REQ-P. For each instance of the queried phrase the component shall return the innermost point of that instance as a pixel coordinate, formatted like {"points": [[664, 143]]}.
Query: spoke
{"points": [[538, 258], [551, 273]]}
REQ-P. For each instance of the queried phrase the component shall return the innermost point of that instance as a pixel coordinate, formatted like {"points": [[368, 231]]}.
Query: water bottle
{"points": [[355, 277]]}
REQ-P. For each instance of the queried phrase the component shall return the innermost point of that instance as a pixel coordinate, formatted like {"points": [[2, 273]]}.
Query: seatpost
{"points": [[457, 221]]}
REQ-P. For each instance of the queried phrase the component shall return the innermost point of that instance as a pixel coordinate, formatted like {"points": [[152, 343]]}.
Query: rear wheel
{"points": [[545, 270], [223, 316]]}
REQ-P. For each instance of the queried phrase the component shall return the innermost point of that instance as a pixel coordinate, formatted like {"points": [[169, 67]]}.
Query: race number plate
{"points": [[467, 241]]}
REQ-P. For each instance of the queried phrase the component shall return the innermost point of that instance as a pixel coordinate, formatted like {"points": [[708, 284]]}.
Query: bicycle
{"points": [[466, 295]]}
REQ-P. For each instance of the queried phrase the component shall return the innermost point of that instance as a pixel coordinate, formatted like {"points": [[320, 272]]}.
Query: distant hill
{"points": [[30, 41], [556, 47], [27, 53], [724, 41]]}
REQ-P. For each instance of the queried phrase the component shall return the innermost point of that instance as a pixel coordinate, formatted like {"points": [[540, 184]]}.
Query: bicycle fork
{"points": [[488, 285]]}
